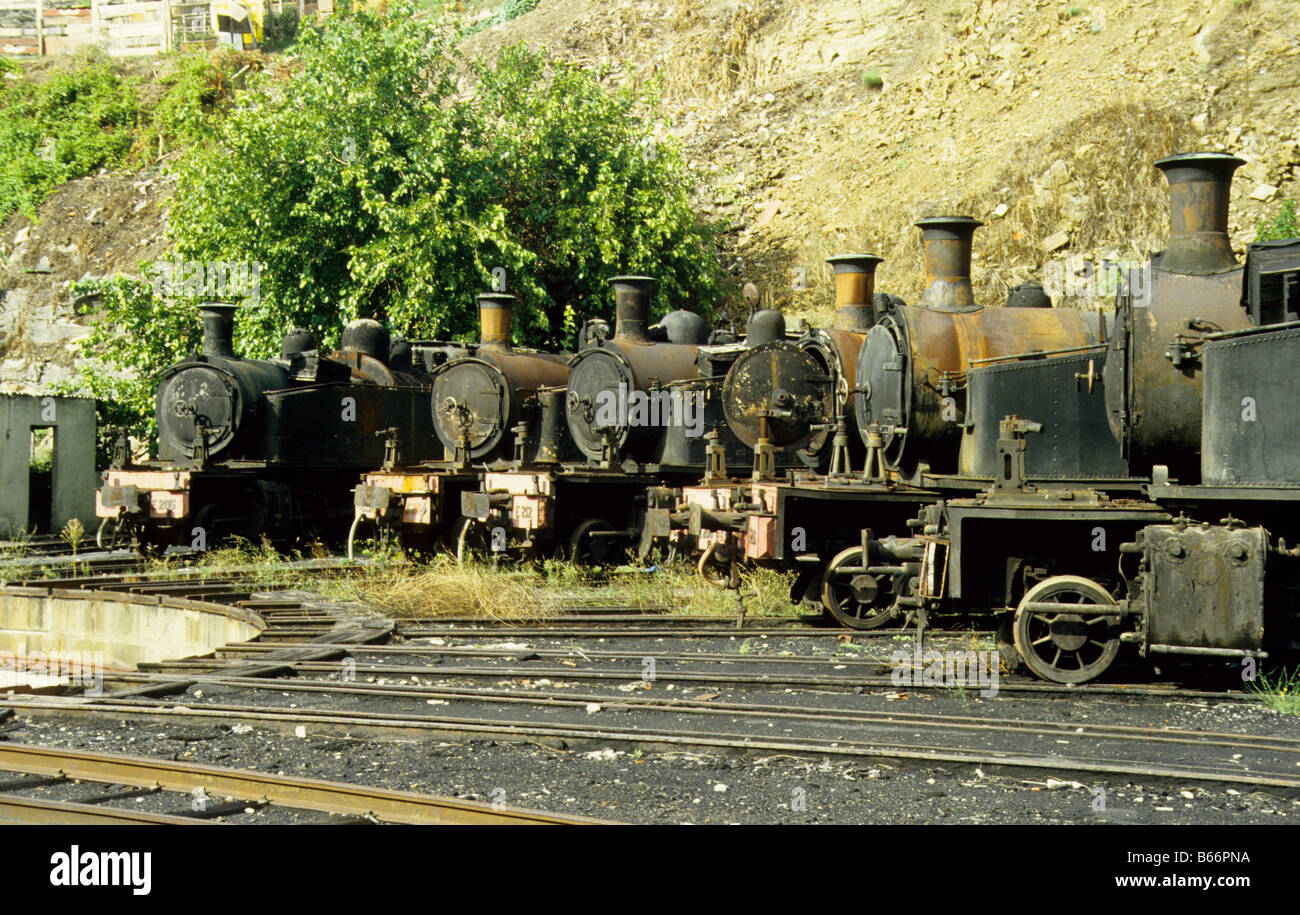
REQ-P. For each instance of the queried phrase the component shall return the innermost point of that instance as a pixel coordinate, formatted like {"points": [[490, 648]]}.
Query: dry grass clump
{"points": [[765, 592], [445, 589]]}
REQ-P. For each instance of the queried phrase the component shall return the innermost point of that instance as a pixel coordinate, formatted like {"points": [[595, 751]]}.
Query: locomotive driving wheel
{"points": [[1069, 645], [853, 597], [587, 548]]}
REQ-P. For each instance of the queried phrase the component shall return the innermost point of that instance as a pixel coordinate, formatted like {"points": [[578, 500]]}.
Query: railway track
{"points": [[302, 677], [243, 792], [389, 725]]}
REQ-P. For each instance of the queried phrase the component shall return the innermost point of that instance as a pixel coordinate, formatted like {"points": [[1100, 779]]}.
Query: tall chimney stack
{"points": [[632, 307], [855, 283], [947, 243], [1199, 184], [218, 329], [495, 319]]}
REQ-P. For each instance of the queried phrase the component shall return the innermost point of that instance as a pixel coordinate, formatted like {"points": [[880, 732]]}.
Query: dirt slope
{"points": [[827, 126]]}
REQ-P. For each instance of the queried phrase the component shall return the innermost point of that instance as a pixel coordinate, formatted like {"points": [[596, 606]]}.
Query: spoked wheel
{"points": [[1069, 645], [587, 548], [473, 539], [854, 598]]}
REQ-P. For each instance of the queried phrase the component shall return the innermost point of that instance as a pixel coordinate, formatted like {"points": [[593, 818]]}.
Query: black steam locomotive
{"points": [[269, 448]]}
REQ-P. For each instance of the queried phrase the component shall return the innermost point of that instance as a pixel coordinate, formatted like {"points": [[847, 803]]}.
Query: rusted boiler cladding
{"points": [[605, 377], [480, 400], [911, 369], [1154, 372]]}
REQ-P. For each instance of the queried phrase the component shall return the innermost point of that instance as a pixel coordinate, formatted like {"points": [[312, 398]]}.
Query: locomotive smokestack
{"points": [[855, 283], [218, 329], [495, 319], [632, 307], [1199, 184], [947, 243]]}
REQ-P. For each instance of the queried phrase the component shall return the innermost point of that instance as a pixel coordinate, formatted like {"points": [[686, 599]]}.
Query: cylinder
{"points": [[1199, 185], [218, 329], [947, 244], [632, 307], [495, 319], [855, 283]]}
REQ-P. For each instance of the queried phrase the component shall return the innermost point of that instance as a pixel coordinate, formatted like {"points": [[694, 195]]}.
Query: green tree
{"points": [[137, 334], [1283, 225], [375, 184]]}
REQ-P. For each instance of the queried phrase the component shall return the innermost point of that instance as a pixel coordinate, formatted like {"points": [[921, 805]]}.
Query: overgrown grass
{"points": [[1278, 690], [439, 586]]}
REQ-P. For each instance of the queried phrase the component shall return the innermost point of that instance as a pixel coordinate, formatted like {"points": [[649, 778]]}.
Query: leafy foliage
{"points": [[92, 117], [1283, 225], [368, 186], [71, 125], [139, 334], [198, 93]]}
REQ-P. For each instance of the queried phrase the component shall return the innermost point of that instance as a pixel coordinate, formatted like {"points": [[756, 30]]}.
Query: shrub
{"points": [[1283, 225], [369, 186], [71, 125]]}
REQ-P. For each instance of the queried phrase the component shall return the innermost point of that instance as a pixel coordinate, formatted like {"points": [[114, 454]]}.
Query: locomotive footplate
{"points": [[786, 523], [1077, 532], [571, 506], [157, 493], [414, 498]]}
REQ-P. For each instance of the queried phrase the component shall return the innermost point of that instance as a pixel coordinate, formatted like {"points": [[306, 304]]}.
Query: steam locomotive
{"points": [[1083, 480], [270, 448]]}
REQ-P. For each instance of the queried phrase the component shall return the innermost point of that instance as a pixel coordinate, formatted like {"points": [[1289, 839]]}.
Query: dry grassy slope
{"points": [[1056, 117]]}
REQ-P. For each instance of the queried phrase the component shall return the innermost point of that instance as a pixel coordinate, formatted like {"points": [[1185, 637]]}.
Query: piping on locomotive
{"points": [[266, 447], [1084, 572], [907, 405]]}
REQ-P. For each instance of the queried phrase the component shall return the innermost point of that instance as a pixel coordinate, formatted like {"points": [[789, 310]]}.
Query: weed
{"points": [[1278, 690]]}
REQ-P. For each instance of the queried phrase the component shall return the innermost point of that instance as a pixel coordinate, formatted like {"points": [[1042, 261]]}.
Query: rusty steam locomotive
{"points": [[1084, 481]]}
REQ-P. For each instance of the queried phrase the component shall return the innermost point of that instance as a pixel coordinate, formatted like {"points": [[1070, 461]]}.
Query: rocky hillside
{"points": [[827, 126]]}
